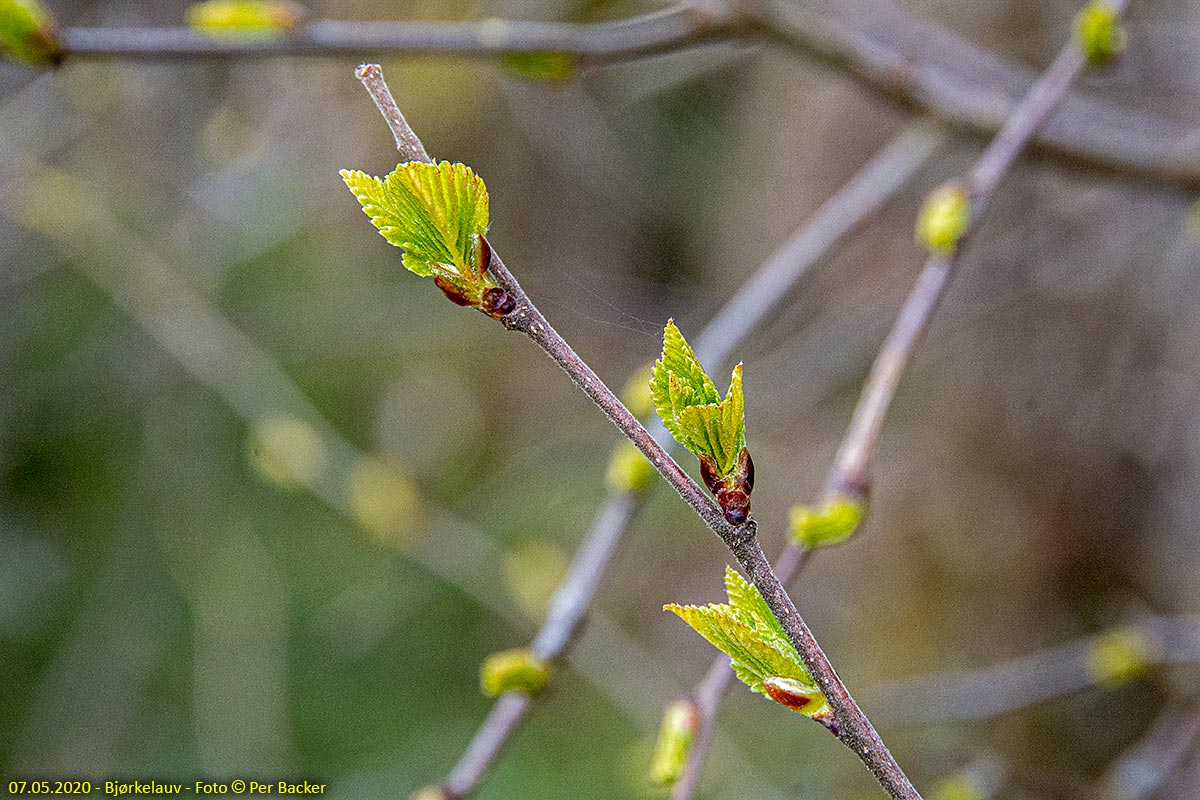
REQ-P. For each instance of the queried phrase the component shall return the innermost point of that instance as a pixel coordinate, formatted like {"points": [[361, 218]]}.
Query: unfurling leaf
{"points": [[245, 19], [27, 33], [944, 218], [438, 214], [833, 522], [628, 469], [675, 736], [511, 670], [760, 653], [713, 429], [1098, 32]]}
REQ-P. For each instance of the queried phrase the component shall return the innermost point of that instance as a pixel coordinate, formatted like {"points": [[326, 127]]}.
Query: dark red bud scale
{"points": [[732, 491], [827, 719], [497, 303], [485, 255], [451, 291], [781, 693]]}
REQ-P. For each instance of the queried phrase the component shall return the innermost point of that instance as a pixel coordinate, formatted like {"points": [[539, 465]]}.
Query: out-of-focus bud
{"points": [[628, 469], [428, 793], [675, 736], [384, 501], [245, 19], [28, 33], [1118, 656], [511, 670], [833, 522], [636, 395], [1098, 32], [944, 218], [959, 787], [532, 571], [286, 450], [541, 66]]}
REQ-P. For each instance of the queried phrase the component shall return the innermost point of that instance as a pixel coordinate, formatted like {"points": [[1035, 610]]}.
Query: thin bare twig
{"points": [[662, 31], [913, 61], [877, 181], [1150, 764], [1007, 686], [849, 473], [858, 446], [855, 730], [568, 607], [926, 67]]}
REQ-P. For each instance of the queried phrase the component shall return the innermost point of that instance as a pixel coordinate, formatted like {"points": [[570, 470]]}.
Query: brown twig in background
{"points": [[1148, 766], [662, 31], [856, 731], [915, 62], [877, 181], [926, 67], [1001, 688], [849, 474]]}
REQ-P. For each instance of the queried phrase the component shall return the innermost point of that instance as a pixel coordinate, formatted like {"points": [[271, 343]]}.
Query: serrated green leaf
{"points": [[244, 19], [437, 213], [690, 407], [745, 630], [27, 32], [745, 598]]}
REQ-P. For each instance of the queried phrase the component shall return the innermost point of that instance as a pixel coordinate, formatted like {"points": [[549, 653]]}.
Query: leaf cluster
{"points": [[438, 214], [690, 407], [745, 630]]}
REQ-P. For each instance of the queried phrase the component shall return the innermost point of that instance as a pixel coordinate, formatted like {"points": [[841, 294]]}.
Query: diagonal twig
{"points": [[849, 474], [854, 729], [877, 181], [670, 29], [917, 63]]}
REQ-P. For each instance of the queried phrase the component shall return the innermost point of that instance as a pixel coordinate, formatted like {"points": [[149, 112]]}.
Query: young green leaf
{"points": [[438, 214], [690, 407], [713, 429], [244, 19], [27, 33], [760, 653]]}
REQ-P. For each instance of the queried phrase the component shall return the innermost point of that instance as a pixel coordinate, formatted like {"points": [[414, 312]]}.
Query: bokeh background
{"points": [[267, 500]]}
